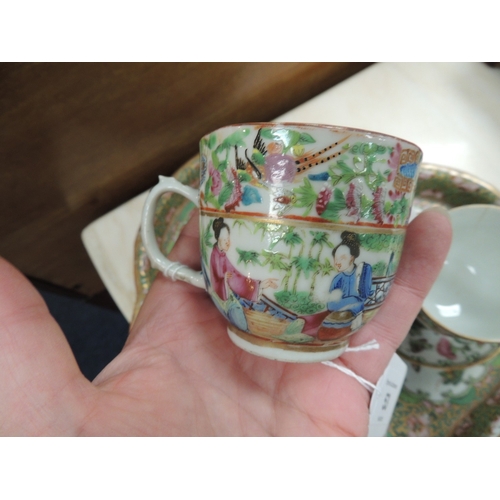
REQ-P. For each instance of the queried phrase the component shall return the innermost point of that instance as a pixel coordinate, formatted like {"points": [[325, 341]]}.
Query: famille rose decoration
{"points": [[426, 345], [301, 231]]}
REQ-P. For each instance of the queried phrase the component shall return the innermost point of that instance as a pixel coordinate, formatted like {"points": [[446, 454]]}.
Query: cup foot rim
{"points": [[287, 355]]}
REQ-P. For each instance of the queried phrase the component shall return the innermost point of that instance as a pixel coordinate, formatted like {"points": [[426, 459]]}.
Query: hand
{"points": [[179, 374]]}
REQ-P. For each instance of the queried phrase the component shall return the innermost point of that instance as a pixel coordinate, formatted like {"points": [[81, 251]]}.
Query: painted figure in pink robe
{"points": [[223, 274]]}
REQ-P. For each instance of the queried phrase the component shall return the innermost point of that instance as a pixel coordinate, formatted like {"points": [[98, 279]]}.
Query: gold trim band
{"points": [[284, 221]]}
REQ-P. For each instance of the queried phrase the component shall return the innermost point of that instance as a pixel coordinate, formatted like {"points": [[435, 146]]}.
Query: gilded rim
{"points": [[452, 368], [333, 128], [455, 172]]}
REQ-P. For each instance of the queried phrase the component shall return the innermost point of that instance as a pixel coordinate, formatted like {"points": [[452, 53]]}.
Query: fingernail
{"points": [[439, 209]]}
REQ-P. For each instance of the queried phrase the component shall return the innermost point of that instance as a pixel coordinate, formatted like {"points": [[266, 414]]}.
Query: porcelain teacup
{"points": [[459, 324], [301, 231], [456, 332], [464, 299]]}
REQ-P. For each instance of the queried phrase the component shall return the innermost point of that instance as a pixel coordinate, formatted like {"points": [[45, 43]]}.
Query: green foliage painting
{"points": [[300, 256]]}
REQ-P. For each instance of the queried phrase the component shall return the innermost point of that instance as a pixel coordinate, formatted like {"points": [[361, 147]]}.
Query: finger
{"points": [[187, 248], [41, 387], [170, 303], [427, 243]]}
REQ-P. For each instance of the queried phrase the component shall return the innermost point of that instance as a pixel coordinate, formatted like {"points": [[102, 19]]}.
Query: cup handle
{"points": [[170, 269]]}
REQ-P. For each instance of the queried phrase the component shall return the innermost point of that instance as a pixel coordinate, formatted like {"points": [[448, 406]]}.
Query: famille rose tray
{"points": [[471, 410]]}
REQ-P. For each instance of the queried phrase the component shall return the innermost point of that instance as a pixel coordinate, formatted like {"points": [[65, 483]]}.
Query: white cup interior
{"points": [[465, 297]]}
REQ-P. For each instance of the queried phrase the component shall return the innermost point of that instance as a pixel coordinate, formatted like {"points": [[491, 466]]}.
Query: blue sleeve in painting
{"points": [[365, 281], [336, 282]]}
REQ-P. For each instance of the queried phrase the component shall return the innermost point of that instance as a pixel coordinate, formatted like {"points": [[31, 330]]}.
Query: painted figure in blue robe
{"points": [[351, 286], [353, 281]]}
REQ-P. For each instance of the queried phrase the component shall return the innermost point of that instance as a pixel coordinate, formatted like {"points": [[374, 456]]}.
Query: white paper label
{"points": [[385, 397]]}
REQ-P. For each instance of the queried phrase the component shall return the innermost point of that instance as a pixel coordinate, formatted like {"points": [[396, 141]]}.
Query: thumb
{"points": [[41, 386]]}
